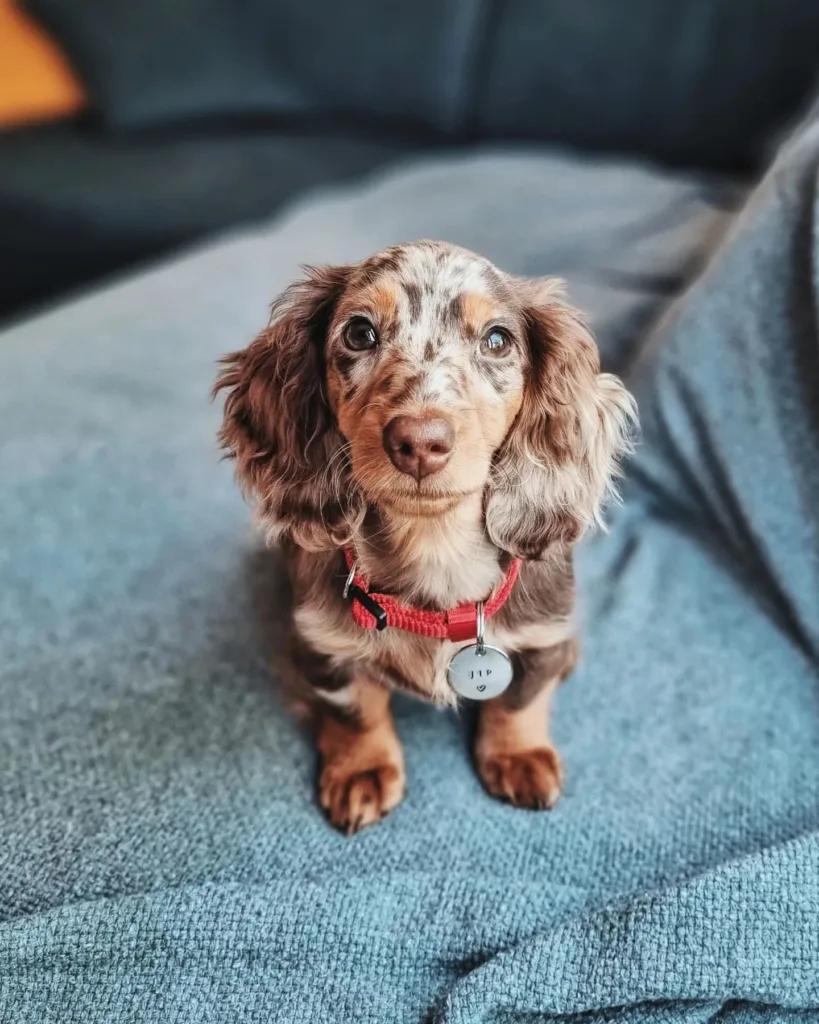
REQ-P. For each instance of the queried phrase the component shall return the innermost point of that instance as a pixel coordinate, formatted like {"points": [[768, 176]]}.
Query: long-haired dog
{"points": [[423, 433]]}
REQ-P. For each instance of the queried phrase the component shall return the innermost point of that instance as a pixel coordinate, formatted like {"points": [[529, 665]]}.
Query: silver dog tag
{"points": [[479, 672]]}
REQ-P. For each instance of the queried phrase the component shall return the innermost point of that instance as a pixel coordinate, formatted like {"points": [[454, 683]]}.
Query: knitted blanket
{"points": [[162, 857]]}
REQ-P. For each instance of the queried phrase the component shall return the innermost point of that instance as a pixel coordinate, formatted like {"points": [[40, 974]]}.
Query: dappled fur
{"points": [[277, 424], [539, 435], [560, 461]]}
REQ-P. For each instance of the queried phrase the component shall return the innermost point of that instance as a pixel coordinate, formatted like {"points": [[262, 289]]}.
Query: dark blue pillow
{"points": [[697, 82], [150, 62]]}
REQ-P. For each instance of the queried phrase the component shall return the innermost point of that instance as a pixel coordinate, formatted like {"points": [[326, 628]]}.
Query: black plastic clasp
{"points": [[355, 593]]}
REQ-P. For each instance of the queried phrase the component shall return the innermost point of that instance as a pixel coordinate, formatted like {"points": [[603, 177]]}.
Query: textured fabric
{"points": [[162, 856]]}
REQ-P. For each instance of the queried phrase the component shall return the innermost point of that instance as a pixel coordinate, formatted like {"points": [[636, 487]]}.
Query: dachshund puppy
{"points": [[426, 437]]}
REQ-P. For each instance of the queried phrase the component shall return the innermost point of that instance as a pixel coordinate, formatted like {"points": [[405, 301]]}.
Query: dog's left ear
{"points": [[557, 466]]}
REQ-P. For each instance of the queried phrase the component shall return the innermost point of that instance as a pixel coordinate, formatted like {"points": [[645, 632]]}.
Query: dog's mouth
{"points": [[426, 498], [385, 486], [424, 504]]}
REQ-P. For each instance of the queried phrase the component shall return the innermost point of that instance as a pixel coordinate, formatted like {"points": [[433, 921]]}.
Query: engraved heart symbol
{"points": [[482, 687]]}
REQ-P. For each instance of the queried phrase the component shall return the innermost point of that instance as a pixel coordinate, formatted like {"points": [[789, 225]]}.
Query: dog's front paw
{"points": [[356, 794], [526, 778]]}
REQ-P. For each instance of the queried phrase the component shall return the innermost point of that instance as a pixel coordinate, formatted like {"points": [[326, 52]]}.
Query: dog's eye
{"points": [[360, 334], [495, 341]]}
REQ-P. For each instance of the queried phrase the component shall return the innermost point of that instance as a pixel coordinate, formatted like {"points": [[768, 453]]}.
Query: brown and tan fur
{"points": [[538, 430]]}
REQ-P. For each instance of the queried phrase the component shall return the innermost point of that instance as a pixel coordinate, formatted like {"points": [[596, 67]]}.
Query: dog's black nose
{"points": [[419, 445]]}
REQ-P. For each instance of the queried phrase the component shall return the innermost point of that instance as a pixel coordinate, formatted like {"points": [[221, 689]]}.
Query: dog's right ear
{"points": [[278, 426]]}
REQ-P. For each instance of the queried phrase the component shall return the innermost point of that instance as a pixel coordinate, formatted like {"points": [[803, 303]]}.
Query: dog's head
{"points": [[413, 379]]}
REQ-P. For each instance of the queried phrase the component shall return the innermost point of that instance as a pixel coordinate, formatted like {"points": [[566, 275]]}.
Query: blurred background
{"points": [[129, 129]]}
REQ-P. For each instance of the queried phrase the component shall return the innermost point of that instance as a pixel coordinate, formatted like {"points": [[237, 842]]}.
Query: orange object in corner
{"points": [[36, 81]]}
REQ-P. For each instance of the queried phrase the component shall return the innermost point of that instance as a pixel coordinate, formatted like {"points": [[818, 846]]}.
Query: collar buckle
{"points": [[352, 592]]}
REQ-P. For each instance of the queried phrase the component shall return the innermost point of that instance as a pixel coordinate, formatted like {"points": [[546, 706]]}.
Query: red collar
{"points": [[377, 611]]}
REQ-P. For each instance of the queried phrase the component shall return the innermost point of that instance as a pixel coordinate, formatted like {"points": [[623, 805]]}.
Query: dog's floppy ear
{"points": [[559, 462], [277, 423]]}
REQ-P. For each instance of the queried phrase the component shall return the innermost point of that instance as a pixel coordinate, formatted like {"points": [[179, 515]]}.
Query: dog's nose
{"points": [[419, 445]]}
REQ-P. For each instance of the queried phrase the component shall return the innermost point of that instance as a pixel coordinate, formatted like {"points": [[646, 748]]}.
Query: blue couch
{"points": [[162, 855], [207, 114]]}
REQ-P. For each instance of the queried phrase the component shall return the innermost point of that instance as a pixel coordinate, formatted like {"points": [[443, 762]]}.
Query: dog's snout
{"points": [[419, 445]]}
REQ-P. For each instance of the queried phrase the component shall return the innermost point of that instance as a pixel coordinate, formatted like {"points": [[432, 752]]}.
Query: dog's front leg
{"points": [[362, 764], [514, 756]]}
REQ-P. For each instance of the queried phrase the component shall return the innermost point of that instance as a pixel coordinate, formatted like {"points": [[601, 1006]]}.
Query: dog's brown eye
{"points": [[495, 341], [360, 335]]}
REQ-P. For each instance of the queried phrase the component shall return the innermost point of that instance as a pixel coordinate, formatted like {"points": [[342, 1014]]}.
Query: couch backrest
{"points": [[701, 82]]}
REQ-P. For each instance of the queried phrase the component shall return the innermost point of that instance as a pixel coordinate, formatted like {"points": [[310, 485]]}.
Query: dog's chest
{"points": [[419, 666], [537, 616], [447, 568]]}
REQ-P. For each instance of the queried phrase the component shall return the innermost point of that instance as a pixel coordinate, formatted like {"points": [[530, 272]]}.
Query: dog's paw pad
{"points": [[526, 778], [354, 798]]}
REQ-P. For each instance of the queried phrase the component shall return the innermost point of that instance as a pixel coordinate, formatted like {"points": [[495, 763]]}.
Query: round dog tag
{"points": [[479, 672]]}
